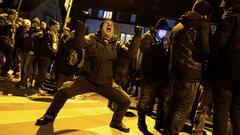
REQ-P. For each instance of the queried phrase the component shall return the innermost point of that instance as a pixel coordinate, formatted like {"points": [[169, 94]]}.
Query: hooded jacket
{"points": [[189, 47]]}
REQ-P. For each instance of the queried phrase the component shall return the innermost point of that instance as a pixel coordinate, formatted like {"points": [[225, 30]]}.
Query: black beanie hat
{"points": [[161, 24], [201, 6]]}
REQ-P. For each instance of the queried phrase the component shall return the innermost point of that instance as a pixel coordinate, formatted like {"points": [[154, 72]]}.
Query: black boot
{"points": [[120, 126], [159, 125], [142, 126], [44, 120]]}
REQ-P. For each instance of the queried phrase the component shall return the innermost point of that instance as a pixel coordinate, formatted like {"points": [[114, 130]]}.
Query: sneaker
{"points": [[42, 93], [23, 87]]}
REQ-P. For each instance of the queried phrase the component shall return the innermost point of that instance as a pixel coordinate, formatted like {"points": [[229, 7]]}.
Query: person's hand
{"points": [[15, 25], [31, 53], [165, 45]]}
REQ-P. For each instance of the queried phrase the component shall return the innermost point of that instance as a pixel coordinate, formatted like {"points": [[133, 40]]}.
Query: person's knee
{"points": [[61, 95], [126, 101]]}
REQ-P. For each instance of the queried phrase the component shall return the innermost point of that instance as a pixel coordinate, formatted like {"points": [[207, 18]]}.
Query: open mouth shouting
{"points": [[107, 29]]}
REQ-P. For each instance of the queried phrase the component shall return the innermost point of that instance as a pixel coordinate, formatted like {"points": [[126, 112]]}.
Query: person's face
{"points": [[34, 25], [108, 29], [66, 32], [56, 28], [43, 25], [13, 17]]}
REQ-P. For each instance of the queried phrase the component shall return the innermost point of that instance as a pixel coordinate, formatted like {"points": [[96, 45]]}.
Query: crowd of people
{"points": [[189, 73]]}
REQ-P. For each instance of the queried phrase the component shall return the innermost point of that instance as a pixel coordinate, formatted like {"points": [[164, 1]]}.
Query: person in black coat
{"points": [[188, 50], [154, 75], [46, 52], [29, 48], [7, 25], [227, 70], [68, 58], [96, 75]]}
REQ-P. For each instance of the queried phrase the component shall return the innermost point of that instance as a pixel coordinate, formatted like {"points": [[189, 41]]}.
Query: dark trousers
{"points": [[43, 66], [183, 97], [28, 69], [81, 85], [202, 105], [61, 78], [226, 104], [153, 88], [7, 50]]}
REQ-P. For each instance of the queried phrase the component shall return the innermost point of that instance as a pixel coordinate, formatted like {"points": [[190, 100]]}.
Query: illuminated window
{"points": [[133, 18], [125, 37], [89, 11], [107, 14], [100, 13]]}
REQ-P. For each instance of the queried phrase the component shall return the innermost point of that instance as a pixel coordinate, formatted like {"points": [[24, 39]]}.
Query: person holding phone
{"points": [[154, 76]]}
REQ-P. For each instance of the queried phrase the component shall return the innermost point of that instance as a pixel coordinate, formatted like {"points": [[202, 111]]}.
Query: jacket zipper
{"points": [[100, 63]]}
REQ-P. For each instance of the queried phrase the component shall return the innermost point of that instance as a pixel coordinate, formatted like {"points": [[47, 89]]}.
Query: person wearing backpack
{"points": [[189, 48]]}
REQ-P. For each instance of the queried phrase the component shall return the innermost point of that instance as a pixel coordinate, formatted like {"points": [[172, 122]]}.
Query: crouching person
{"points": [[96, 75]]}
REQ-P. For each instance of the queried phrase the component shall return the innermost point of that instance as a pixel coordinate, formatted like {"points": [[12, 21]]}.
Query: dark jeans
{"points": [[153, 88], [61, 78], [43, 66], [201, 106], [7, 50], [183, 97], [28, 69], [81, 85], [226, 104]]}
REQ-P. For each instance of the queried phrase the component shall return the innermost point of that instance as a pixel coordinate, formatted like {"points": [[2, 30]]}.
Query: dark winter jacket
{"points": [[154, 59], [227, 45], [45, 48], [6, 28], [189, 47], [133, 50], [63, 64], [100, 58], [32, 42]]}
